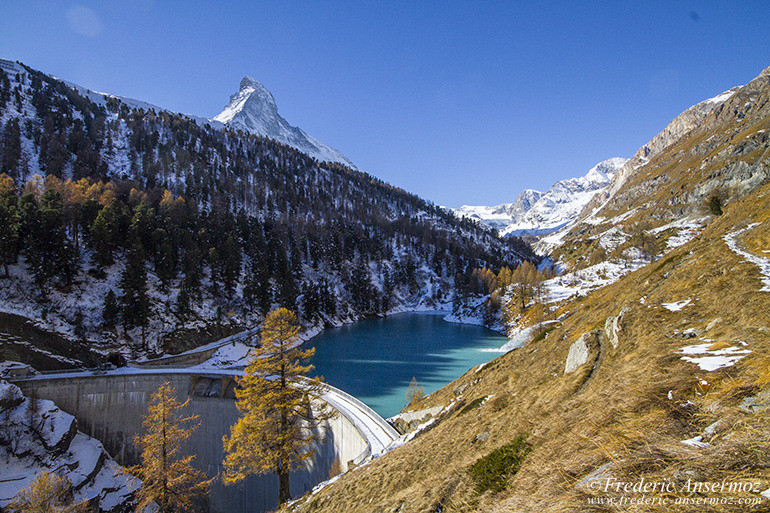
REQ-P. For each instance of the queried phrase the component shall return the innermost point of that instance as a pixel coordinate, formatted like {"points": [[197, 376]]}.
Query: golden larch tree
{"points": [[48, 493], [278, 430], [168, 479]]}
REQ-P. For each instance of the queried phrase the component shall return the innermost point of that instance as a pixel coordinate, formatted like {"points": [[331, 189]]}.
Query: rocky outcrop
{"points": [[592, 345], [578, 355], [36, 437], [725, 162], [409, 421], [613, 326], [674, 131], [586, 349]]}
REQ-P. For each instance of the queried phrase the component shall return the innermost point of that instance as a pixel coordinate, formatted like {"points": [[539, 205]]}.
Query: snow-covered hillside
{"points": [[253, 109], [537, 213], [38, 437], [246, 224], [101, 99]]}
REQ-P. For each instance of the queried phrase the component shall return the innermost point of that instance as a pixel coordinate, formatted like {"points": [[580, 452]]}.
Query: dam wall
{"points": [[110, 407]]}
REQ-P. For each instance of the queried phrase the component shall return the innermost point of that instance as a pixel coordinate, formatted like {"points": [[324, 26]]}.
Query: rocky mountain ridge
{"points": [[538, 213], [253, 110]]}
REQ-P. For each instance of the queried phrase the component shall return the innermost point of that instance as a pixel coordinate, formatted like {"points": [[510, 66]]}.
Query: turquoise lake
{"points": [[376, 359]]}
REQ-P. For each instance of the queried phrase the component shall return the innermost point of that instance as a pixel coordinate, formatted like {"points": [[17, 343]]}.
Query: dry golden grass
{"points": [[618, 414]]}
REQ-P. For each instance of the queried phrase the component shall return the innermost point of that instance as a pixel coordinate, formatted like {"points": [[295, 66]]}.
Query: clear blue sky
{"points": [[459, 102]]}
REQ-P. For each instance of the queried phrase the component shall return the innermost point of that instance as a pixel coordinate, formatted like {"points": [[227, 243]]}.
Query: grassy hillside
{"points": [[652, 343]]}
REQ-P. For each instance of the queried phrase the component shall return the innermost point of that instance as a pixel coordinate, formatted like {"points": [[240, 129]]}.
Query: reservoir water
{"points": [[376, 359]]}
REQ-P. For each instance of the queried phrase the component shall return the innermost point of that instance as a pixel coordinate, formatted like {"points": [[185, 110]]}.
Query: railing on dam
{"points": [[109, 405]]}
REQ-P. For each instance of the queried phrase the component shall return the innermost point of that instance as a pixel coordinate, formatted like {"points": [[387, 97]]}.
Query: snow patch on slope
{"points": [[762, 262], [677, 305], [712, 359], [582, 282], [38, 437]]}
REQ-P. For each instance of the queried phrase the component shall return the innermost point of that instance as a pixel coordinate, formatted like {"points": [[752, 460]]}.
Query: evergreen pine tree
{"points": [[165, 258], [111, 310], [231, 265], [168, 479], [106, 233], [183, 303], [387, 290], [11, 149], [143, 226], [10, 223], [49, 253], [277, 429], [134, 301], [191, 263]]}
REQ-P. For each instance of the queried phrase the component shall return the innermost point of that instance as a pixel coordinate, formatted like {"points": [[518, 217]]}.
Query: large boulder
{"points": [[584, 349]]}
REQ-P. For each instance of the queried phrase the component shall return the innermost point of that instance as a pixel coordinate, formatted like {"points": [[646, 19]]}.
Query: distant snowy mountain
{"points": [[253, 109], [537, 213]]}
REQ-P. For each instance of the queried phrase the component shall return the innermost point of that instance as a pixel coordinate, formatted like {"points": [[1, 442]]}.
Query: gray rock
{"points": [[713, 323], [578, 354], [600, 474], [614, 325], [481, 437], [712, 428], [459, 389], [756, 403]]}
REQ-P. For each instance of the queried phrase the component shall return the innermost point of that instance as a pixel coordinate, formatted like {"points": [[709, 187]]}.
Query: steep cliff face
{"points": [[38, 437], [719, 143], [678, 127]]}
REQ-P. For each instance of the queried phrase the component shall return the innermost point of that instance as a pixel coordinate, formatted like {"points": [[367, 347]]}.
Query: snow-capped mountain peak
{"points": [[256, 99], [538, 213], [251, 83], [253, 109], [604, 171]]}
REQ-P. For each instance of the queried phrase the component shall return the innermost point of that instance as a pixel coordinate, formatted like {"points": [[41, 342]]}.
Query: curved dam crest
{"points": [[110, 407]]}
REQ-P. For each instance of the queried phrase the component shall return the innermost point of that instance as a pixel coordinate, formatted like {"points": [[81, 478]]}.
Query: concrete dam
{"points": [[110, 407]]}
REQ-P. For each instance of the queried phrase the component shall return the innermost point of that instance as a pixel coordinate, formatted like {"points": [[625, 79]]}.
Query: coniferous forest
{"points": [[121, 223]]}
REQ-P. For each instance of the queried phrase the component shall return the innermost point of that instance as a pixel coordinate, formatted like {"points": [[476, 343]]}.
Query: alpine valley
{"points": [[638, 348], [132, 229], [647, 360]]}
